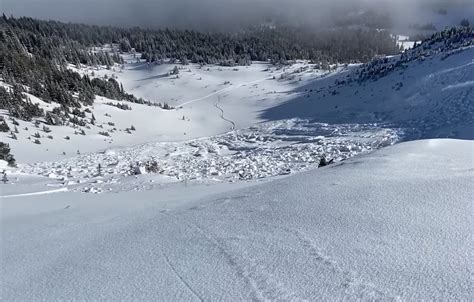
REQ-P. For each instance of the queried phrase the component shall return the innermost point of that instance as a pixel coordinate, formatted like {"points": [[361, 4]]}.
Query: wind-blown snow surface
{"points": [[393, 224]]}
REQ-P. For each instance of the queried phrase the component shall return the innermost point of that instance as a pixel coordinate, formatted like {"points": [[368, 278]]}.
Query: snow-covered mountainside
{"points": [[207, 100], [260, 182], [303, 112], [391, 225], [428, 91]]}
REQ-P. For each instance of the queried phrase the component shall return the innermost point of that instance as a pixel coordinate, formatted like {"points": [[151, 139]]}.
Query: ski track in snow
{"points": [[223, 90], [449, 70], [351, 282], [180, 277], [262, 287], [216, 104], [460, 85], [36, 193]]}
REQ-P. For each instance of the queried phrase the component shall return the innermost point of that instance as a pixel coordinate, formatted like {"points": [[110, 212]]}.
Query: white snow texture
{"points": [[395, 224]]}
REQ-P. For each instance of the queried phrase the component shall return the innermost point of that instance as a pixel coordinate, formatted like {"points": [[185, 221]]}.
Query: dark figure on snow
{"points": [[4, 177], [323, 162]]}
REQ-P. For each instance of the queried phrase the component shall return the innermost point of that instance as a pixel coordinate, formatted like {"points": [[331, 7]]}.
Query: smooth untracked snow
{"points": [[394, 224]]}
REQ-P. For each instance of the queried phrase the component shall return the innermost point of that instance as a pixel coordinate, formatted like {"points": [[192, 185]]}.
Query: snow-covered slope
{"points": [[394, 224], [182, 219], [208, 100], [275, 120], [426, 94]]}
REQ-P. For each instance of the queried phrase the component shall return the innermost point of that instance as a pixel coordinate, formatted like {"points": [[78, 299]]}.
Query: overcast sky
{"points": [[203, 14]]}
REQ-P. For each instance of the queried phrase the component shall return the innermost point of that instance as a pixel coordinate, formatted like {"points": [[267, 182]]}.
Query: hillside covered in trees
{"points": [[34, 56], [71, 42]]}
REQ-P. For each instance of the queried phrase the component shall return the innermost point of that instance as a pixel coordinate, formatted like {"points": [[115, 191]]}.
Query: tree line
{"points": [[72, 42], [35, 56]]}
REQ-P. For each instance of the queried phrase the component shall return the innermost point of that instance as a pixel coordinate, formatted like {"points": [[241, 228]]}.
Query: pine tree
{"points": [[175, 71], [4, 177], [6, 155], [4, 127]]}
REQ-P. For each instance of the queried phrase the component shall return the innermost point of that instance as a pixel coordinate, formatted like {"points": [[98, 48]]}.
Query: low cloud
{"points": [[221, 14]]}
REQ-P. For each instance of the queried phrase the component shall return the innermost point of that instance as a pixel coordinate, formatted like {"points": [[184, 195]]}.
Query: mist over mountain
{"points": [[212, 15]]}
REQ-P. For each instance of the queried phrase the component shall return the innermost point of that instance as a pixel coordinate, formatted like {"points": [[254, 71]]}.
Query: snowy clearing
{"points": [[241, 94]]}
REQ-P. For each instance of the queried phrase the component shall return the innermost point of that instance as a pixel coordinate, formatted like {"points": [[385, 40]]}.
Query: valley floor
{"points": [[392, 224]]}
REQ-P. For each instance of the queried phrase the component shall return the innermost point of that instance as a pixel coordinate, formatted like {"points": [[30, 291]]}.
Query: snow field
{"points": [[242, 93], [389, 225]]}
